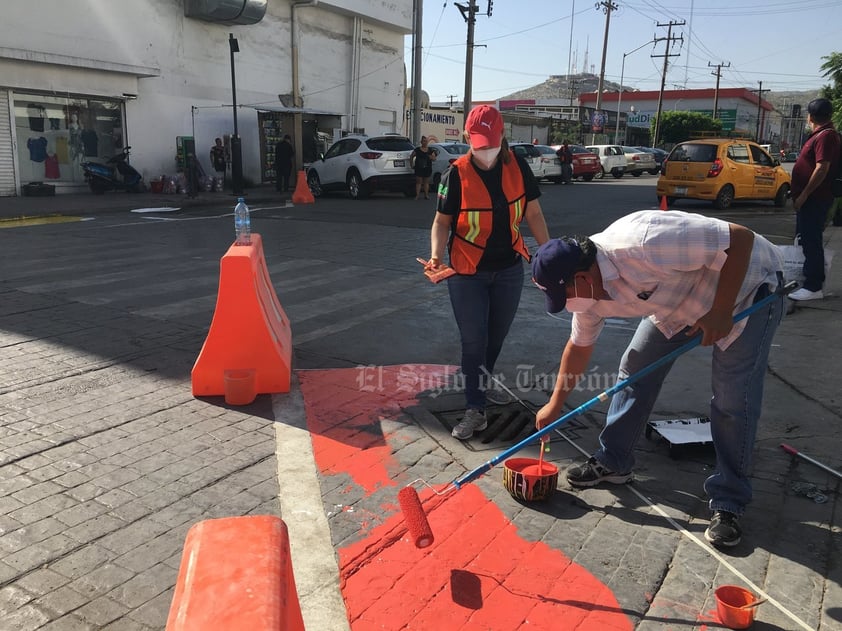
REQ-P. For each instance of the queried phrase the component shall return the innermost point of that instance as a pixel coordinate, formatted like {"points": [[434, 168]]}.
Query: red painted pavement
{"points": [[479, 574]]}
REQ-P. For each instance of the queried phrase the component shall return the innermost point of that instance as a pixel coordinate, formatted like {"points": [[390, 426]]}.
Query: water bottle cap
{"points": [[241, 199]]}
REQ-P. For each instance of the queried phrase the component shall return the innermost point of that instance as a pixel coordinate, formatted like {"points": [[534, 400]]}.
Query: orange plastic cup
{"points": [[729, 599], [239, 387]]}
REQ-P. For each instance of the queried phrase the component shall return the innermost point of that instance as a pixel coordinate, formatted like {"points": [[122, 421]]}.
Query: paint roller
{"points": [[416, 520]]}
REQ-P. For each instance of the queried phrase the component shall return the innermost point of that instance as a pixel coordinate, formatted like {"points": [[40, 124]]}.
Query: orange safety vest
{"points": [[475, 219]]}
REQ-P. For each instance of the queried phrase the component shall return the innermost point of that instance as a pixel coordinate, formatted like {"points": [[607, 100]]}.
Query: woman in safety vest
{"points": [[482, 200]]}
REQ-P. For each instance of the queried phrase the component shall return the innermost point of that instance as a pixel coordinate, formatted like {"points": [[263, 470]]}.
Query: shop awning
{"points": [[293, 110]]}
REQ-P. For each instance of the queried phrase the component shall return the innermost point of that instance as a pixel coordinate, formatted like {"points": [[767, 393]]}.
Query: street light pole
{"points": [[236, 146], [620, 96]]}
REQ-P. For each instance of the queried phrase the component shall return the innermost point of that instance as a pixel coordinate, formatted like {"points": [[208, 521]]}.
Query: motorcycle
{"points": [[116, 174]]}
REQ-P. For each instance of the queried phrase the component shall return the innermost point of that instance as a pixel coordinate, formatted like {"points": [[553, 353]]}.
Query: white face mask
{"points": [[579, 304], [486, 157]]}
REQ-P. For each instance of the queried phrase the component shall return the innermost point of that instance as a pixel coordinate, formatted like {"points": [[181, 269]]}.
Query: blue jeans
{"points": [[484, 305], [809, 223], [737, 385]]}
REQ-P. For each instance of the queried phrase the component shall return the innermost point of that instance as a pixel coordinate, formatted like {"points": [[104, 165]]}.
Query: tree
{"points": [[832, 68], [681, 126]]}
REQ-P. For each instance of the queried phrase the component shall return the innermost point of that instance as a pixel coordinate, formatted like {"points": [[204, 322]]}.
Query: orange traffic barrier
{"points": [[236, 574], [248, 349], [302, 193]]}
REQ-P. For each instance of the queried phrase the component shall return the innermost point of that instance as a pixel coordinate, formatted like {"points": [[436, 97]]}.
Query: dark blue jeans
{"points": [[809, 223], [484, 305]]}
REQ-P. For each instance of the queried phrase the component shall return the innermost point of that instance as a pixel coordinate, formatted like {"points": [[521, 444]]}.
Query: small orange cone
{"points": [[302, 193], [663, 203]]}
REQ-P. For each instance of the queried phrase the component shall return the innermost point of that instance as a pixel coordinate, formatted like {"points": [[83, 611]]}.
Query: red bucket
{"points": [[729, 600], [529, 479]]}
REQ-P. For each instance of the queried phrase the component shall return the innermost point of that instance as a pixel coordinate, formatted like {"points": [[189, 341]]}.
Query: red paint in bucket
{"points": [[729, 599], [529, 479]]}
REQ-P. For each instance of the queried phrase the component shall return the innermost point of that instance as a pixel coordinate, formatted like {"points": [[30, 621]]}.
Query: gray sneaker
{"points": [[473, 421], [497, 397]]}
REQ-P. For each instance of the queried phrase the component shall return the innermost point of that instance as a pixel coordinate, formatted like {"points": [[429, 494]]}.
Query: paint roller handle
{"points": [[792, 451], [605, 395]]}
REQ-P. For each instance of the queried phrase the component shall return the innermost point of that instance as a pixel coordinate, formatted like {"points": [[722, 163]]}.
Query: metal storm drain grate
{"points": [[507, 425]]}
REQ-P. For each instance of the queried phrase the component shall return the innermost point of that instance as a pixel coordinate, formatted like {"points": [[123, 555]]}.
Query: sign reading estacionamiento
{"points": [[442, 125]]}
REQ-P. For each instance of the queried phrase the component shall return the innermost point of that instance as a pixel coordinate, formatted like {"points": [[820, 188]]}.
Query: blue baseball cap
{"points": [[553, 267]]}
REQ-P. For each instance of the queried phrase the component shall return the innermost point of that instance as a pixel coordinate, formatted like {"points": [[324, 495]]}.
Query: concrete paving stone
{"points": [[12, 482], [37, 554], [101, 580], [36, 511], [84, 491], [81, 512], [41, 581], [83, 559], [94, 528], [35, 462], [125, 624], [145, 586], [12, 597], [129, 536], [32, 533], [132, 511], [114, 498], [101, 611], [69, 622], [154, 612], [26, 618], [7, 524], [117, 478]]}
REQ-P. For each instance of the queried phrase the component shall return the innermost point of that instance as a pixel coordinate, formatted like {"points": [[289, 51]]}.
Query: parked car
{"points": [[659, 154], [586, 164], [364, 164], [531, 155], [639, 162], [550, 164], [448, 153], [612, 158], [722, 170]]}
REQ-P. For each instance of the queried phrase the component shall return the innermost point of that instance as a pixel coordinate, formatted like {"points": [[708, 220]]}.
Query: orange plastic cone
{"points": [[302, 193], [664, 203]]}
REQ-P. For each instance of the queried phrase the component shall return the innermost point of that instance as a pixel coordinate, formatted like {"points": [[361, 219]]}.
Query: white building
{"points": [[80, 79]]}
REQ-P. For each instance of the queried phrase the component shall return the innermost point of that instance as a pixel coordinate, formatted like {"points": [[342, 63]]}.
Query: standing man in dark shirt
{"points": [[812, 195], [284, 156], [565, 156]]}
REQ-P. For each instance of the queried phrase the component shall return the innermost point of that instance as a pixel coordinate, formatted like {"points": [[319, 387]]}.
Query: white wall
{"points": [[192, 62]]}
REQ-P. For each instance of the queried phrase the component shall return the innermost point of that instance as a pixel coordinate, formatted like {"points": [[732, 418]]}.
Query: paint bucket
{"points": [[529, 479], [729, 600], [239, 387]]}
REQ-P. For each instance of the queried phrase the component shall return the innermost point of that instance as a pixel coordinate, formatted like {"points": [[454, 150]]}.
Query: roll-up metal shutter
{"points": [[7, 159]]}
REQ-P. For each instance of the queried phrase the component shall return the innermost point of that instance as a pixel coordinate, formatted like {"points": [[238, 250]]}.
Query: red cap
{"points": [[485, 126]]}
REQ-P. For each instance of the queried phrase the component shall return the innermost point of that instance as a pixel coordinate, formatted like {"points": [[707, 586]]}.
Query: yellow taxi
{"points": [[722, 170]]}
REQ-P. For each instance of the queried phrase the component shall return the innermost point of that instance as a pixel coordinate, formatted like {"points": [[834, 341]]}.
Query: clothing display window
{"points": [[56, 134]]}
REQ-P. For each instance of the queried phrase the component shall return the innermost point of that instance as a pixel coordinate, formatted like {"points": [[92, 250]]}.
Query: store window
{"points": [[55, 135]]}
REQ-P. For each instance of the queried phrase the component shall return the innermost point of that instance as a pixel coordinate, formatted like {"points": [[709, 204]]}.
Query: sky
{"points": [[778, 42]]}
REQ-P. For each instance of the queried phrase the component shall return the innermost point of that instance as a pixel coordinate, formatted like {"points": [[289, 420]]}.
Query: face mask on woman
{"points": [[486, 157], [579, 304]]}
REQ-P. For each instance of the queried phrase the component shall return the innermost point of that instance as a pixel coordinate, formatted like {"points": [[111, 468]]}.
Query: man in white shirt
{"points": [[684, 274]]}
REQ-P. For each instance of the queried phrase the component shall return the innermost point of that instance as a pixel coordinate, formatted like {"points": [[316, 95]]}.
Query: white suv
{"points": [[364, 164], [612, 157]]}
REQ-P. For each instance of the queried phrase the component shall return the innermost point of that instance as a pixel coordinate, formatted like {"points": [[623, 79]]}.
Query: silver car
{"points": [[448, 152], [550, 164], [639, 161], [362, 165], [531, 155]]}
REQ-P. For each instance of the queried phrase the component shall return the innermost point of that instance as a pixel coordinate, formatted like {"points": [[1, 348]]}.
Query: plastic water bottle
{"points": [[242, 223]]}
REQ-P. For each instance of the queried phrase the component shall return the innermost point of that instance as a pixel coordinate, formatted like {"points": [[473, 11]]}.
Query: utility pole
{"points": [[718, 75], [417, 19], [669, 39], [759, 92], [469, 12], [450, 98], [607, 6], [572, 83]]}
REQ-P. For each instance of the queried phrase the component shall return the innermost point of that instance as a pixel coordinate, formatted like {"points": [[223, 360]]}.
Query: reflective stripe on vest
{"points": [[475, 219]]}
